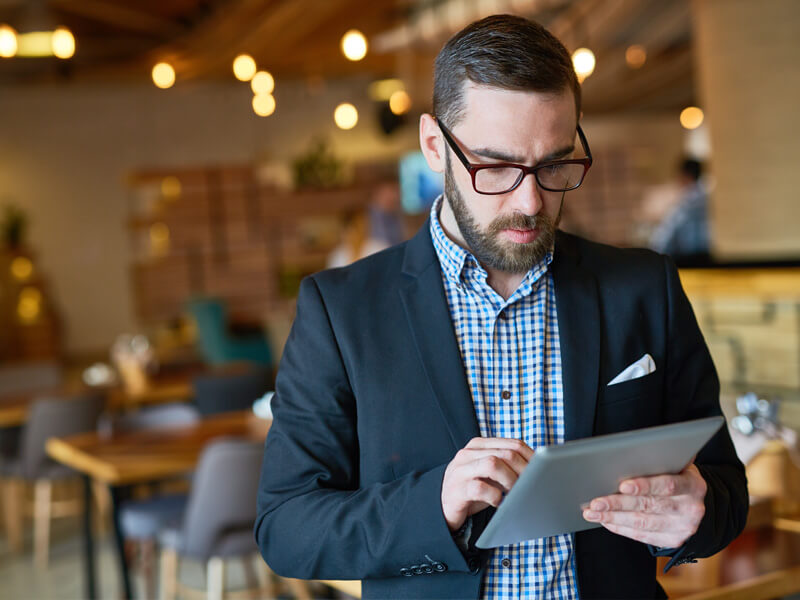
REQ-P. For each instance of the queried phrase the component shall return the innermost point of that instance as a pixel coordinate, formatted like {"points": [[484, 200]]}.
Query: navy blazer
{"points": [[372, 403]]}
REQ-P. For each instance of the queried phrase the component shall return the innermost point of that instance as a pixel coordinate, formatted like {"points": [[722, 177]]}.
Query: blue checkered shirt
{"points": [[511, 354]]}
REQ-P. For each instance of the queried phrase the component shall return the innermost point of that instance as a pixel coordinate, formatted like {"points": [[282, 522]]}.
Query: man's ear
{"points": [[431, 143]]}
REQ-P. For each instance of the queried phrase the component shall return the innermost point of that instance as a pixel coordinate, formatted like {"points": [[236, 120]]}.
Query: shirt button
{"points": [[506, 395], [504, 315], [506, 562]]}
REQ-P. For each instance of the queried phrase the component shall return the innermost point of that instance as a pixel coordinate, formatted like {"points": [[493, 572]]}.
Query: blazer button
{"points": [[474, 565], [405, 572], [417, 570], [440, 566]]}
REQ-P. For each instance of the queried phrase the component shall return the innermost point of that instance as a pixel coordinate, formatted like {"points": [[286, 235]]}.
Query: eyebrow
{"points": [[511, 158]]}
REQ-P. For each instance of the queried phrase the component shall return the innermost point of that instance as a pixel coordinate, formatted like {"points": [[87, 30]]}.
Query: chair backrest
{"points": [[156, 417], [55, 417], [212, 335], [234, 391], [223, 494], [29, 377]]}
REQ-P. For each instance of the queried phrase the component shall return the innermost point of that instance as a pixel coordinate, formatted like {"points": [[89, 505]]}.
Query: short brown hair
{"points": [[501, 51]]}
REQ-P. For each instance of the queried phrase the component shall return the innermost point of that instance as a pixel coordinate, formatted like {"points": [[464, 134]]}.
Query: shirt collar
{"points": [[454, 259]]}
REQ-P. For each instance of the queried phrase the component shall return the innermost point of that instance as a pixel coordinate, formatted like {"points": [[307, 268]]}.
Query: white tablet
{"points": [[550, 494]]}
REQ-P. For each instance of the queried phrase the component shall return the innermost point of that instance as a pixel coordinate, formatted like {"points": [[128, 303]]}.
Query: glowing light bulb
{"points": [[262, 83], [354, 45], [691, 117], [244, 67], [635, 56], [345, 116], [8, 41], [399, 102], [263, 104], [21, 268], [170, 187], [63, 43], [163, 75], [583, 62]]}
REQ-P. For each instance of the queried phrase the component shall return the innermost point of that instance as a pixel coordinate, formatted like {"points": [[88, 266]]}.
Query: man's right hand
{"points": [[479, 475]]}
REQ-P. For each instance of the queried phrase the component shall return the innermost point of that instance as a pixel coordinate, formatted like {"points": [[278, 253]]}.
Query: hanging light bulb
{"points": [[264, 104], [244, 67], [691, 117], [8, 41], [63, 43], [163, 75], [354, 45], [583, 62], [399, 102], [345, 116], [262, 83]]}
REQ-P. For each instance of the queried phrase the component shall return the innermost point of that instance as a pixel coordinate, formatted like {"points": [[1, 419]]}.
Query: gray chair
{"points": [[23, 378], [219, 518], [141, 520], [48, 417], [218, 393]]}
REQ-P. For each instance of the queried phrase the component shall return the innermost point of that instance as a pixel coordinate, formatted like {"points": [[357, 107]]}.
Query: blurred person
{"points": [[417, 384], [683, 232], [385, 219], [357, 241]]}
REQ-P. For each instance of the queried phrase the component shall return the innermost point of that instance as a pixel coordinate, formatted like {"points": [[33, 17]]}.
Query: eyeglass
{"points": [[501, 178]]}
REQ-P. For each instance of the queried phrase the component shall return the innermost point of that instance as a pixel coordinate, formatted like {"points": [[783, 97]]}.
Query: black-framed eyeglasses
{"points": [[501, 178]]}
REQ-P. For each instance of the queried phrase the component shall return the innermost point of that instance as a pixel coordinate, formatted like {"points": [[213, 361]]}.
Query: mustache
{"points": [[520, 221]]}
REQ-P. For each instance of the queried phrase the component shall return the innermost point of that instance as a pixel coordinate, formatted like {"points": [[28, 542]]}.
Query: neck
{"points": [[502, 282]]}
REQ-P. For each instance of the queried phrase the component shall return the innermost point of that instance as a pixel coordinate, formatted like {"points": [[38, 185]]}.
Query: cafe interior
{"points": [[170, 170]]}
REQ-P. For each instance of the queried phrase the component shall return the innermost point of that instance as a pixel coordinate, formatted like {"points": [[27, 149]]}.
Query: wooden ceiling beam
{"points": [[122, 17]]}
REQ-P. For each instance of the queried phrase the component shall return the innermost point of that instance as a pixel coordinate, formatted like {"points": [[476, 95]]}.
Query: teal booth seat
{"points": [[218, 344]]}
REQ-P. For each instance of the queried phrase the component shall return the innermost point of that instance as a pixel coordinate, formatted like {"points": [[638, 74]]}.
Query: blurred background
{"points": [[171, 169]]}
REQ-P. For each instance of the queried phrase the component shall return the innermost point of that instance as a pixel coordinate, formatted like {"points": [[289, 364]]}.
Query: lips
{"points": [[521, 236]]}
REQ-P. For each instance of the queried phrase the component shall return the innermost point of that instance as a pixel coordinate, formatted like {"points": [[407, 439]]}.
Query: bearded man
{"points": [[416, 384]]}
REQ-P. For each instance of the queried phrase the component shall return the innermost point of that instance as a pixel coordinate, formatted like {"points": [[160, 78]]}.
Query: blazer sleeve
{"points": [[314, 519], [693, 392]]}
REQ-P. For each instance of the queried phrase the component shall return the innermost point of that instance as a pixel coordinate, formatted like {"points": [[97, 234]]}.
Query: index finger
{"points": [[482, 443], [658, 485]]}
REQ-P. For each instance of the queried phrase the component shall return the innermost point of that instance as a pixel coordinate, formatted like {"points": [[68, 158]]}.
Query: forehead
{"points": [[518, 118]]}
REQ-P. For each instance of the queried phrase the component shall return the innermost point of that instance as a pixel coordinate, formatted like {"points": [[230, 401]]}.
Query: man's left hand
{"points": [[664, 510]]}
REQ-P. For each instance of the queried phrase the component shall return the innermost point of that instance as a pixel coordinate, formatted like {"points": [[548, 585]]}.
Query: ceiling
{"points": [[120, 40]]}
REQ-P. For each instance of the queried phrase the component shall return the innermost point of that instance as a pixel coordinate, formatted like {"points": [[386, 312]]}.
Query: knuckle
{"points": [[670, 486], [640, 522], [475, 488]]}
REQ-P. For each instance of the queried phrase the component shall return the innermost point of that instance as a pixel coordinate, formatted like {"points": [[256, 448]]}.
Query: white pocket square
{"points": [[643, 366]]}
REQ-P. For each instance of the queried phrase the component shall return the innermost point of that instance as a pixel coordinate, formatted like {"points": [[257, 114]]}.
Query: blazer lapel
{"points": [[579, 332], [432, 329]]}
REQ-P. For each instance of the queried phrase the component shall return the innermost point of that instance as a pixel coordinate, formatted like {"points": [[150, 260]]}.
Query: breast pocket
{"points": [[630, 405]]}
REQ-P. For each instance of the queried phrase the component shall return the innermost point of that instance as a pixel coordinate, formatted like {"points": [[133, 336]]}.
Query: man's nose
{"points": [[527, 198]]}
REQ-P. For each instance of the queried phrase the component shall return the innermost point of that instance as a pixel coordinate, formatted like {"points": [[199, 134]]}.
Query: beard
{"points": [[489, 249]]}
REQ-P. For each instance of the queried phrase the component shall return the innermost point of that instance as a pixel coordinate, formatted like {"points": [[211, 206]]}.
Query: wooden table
{"points": [[123, 459], [14, 408]]}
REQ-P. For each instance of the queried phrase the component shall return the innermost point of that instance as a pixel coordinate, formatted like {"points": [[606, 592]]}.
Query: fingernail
{"points": [[591, 515], [599, 505], [627, 488]]}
